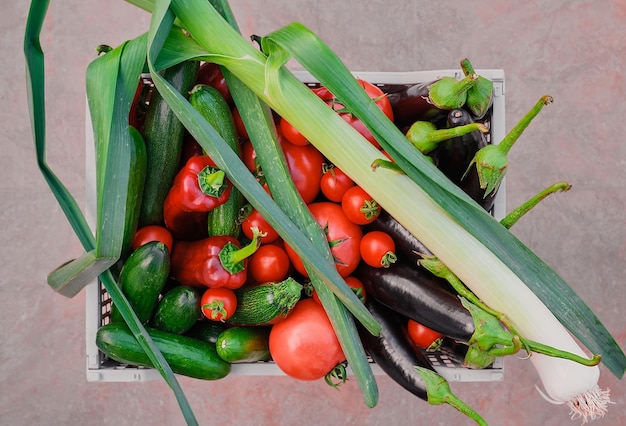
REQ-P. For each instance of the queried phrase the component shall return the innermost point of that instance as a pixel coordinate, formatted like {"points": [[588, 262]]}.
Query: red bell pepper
{"points": [[217, 261], [198, 188]]}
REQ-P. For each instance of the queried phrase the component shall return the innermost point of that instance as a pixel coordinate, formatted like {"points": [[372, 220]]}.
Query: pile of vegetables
{"points": [[244, 216]]}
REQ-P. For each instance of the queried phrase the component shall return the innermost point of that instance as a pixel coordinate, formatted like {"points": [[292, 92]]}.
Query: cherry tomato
{"points": [[304, 345], [210, 74], [378, 249], [152, 233], [255, 219], [218, 303], [359, 206], [292, 134], [354, 283], [242, 132], [305, 166], [269, 263], [335, 183], [423, 336], [343, 237], [248, 156]]}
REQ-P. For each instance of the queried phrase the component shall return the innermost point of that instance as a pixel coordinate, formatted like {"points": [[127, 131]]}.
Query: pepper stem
{"points": [[211, 181], [232, 257], [438, 392]]}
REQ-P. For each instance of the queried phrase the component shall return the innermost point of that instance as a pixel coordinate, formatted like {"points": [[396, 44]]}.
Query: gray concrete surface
{"points": [[572, 50]]}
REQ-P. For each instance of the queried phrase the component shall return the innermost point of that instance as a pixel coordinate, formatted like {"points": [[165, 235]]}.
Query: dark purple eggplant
{"points": [[429, 101], [417, 294]]}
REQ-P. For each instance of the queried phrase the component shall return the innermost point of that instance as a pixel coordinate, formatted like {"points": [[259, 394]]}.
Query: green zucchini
{"points": [[142, 279], [244, 344], [178, 310], [135, 189], [185, 355], [210, 103], [163, 133], [205, 330], [265, 304]]}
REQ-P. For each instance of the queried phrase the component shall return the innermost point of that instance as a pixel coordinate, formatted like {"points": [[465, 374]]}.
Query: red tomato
{"points": [[218, 303], [354, 283], [378, 249], [255, 219], [210, 74], [335, 183], [292, 134], [423, 336], [241, 128], [359, 206], [343, 237], [248, 156], [305, 167], [152, 233], [304, 345], [269, 263]]}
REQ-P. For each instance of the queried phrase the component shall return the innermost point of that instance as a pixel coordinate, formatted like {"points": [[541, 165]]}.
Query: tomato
{"points": [[343, 237], [423, 336], [152, 233], [218, 303], [248, 156], [335, 183], [304, 345], [305, 166], [378, 249], [210, 74], [359, 206], [269, 263], [292, 134], [354, 283], [242, 132], [255, 219]]}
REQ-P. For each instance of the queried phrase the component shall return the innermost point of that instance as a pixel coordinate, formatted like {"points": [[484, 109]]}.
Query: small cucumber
{"points": [[185, 355], [142, 279], [164, 134], [244, 344], [212, 105], [265, 304], [205, 330], [178, 310]]}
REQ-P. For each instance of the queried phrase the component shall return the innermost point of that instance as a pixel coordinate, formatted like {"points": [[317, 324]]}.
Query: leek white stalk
{"points": [[480, 269]]}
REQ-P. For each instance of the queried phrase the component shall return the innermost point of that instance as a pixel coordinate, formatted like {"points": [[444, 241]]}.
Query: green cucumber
{"points": [[265, 304], [205, 330], [164, 134], [142, 279], [210, 103], [244, 344], [178, 310], [185, 355], [136, 184]]}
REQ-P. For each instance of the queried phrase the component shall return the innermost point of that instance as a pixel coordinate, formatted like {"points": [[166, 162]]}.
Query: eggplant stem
{"points": [[540, 348], [516, 214]]}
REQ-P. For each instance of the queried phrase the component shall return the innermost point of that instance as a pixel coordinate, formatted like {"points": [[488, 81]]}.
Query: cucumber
{"points": [[265, 304], [185, 355], [244, 344], [210, 103], [142, 279], [178, 310], [163, 133], [136, 184], [205, 330]]}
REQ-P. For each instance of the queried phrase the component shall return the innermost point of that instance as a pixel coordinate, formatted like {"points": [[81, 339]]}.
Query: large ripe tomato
{"points": [[292, 134], [150, 233], [423, 336], [355, 284], [304, 345], [344, 238], [305, 166], [335, 183], [269, 263]]}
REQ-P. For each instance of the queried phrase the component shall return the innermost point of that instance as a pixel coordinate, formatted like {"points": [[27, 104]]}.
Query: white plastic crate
{"points": [[446, 362]]}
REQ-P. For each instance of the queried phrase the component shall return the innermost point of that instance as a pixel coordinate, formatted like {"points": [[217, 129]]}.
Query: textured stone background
{"points": [[572, 50]]}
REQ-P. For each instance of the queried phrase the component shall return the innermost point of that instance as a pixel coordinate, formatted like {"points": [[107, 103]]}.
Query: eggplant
{"points": [[419, 295], [429, 101]]}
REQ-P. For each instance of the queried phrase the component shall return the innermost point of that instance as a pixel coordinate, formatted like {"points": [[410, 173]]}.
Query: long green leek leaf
{"points": [[551, 289], [258, 117], [88, 263], [227, 160]]}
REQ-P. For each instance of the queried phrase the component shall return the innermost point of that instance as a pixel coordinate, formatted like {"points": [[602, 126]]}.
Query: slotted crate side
{"points": [[446, 362]]}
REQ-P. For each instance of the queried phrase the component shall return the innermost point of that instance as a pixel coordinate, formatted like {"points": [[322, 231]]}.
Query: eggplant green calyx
{"points": [[479, 96], [449, 93], [438, 392], [425, 136], [491, 161]]}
